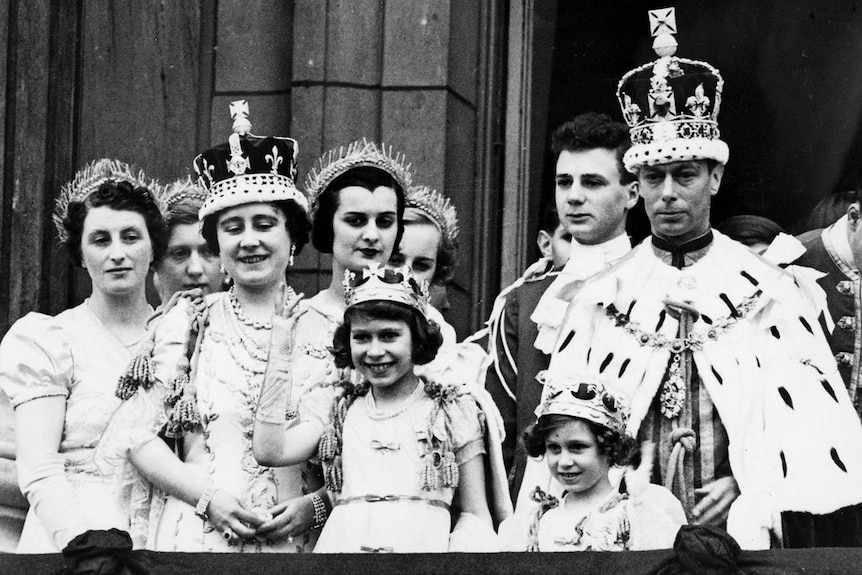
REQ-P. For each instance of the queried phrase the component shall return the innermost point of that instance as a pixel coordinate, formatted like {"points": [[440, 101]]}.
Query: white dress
{"points": [[74, 356], [313, 373], [382, 506], [227, 376], [621, 522]]}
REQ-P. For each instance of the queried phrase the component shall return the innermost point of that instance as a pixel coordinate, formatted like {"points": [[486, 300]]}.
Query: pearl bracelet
{"points": [[204, 502], [319, 510]]}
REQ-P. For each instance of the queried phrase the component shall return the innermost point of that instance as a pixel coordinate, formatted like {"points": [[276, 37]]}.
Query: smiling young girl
{"points": [[580, 433], [397, 449]]}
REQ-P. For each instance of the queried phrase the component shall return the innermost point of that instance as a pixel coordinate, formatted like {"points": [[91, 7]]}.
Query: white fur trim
{"points": [[251, 188], [676, 150]]}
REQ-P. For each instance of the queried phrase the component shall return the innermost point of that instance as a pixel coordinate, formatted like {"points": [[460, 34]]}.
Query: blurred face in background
{"points": [[418, 249], [188, 264]]}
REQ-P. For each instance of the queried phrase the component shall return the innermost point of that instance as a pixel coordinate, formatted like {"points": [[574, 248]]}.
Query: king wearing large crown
{"points": [[720, 352]]}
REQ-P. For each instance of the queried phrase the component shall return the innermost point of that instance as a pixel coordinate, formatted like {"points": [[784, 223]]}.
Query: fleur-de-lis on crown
{"points": [[207, 173], [274, 159], [698, 103]]}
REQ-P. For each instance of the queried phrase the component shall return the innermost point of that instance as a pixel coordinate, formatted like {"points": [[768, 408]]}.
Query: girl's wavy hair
{"points": [[425, 333], [619, 447]]}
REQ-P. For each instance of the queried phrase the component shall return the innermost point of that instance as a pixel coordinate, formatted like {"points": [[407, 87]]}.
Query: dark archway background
{"points": [[792, 99]]}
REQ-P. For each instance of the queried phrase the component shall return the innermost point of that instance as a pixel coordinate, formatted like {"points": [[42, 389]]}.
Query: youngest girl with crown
{"points": [[396, 448], [580, 433]]}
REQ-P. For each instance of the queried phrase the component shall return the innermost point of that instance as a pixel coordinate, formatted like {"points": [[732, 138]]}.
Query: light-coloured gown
{"points": [[649, 520], [313, 375], [382, 506], [229, 374], [74, 356]]}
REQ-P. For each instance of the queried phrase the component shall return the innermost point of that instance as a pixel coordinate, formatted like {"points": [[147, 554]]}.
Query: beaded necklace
{"points": [[379, 415], [240, 315], [248, 341]]}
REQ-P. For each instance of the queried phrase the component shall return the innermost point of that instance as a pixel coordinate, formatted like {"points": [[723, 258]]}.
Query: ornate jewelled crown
{"points": [[181, 191], [88, 180], [583, 397], [248, 168], [671, 104], [386, 284], [361, 153], [436, 207]]}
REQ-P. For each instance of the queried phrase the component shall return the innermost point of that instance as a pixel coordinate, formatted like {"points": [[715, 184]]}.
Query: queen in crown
{"points": [[189, 405], [397, 449]]}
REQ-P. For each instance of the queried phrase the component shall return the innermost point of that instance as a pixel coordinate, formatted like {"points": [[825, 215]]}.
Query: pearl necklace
{"points": [[379, 415], [240, 315]]}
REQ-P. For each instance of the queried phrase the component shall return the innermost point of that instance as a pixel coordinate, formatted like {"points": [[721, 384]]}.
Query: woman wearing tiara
{"points": [[60, 372], [197, 387]]}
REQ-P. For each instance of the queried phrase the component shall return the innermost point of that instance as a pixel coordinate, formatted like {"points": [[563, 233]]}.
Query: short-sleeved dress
{"points": [[382, 506], [227, 375], [74, 356]]}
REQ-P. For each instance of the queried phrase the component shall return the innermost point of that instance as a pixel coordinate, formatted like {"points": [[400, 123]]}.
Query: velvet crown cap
{"points": [[671, 105], [248, 168]]}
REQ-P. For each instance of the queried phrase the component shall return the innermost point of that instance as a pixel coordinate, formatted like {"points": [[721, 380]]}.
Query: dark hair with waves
{"points": [[121, 196], [425, 333], [589, 131], [620, 448], [366, 177]]}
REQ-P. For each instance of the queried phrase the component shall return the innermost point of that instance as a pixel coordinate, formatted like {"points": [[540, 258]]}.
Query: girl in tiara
{"points": [[396, 448], [580, 433]]}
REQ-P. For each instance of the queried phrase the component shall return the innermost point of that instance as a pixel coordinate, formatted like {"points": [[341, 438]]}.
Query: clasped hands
{"points": [[236, 522]]}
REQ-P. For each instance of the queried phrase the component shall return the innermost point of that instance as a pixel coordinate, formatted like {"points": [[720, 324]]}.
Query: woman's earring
{"points": [[222, 270], [292, 252]]}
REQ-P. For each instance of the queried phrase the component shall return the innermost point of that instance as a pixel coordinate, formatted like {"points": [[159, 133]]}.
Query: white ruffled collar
{"points": [[584, 261], [837, 238]]}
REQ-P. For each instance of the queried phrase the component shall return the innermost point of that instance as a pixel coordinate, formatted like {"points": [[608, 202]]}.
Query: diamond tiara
{"points": [[361, 153], [437, 207], [88, 179]]}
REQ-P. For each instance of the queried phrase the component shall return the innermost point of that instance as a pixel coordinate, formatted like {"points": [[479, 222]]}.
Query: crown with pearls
{"points": [[361, 153], [248, 168], [583, 397], [436, 207], [88, 179], [386, 284], [671, 105]]}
